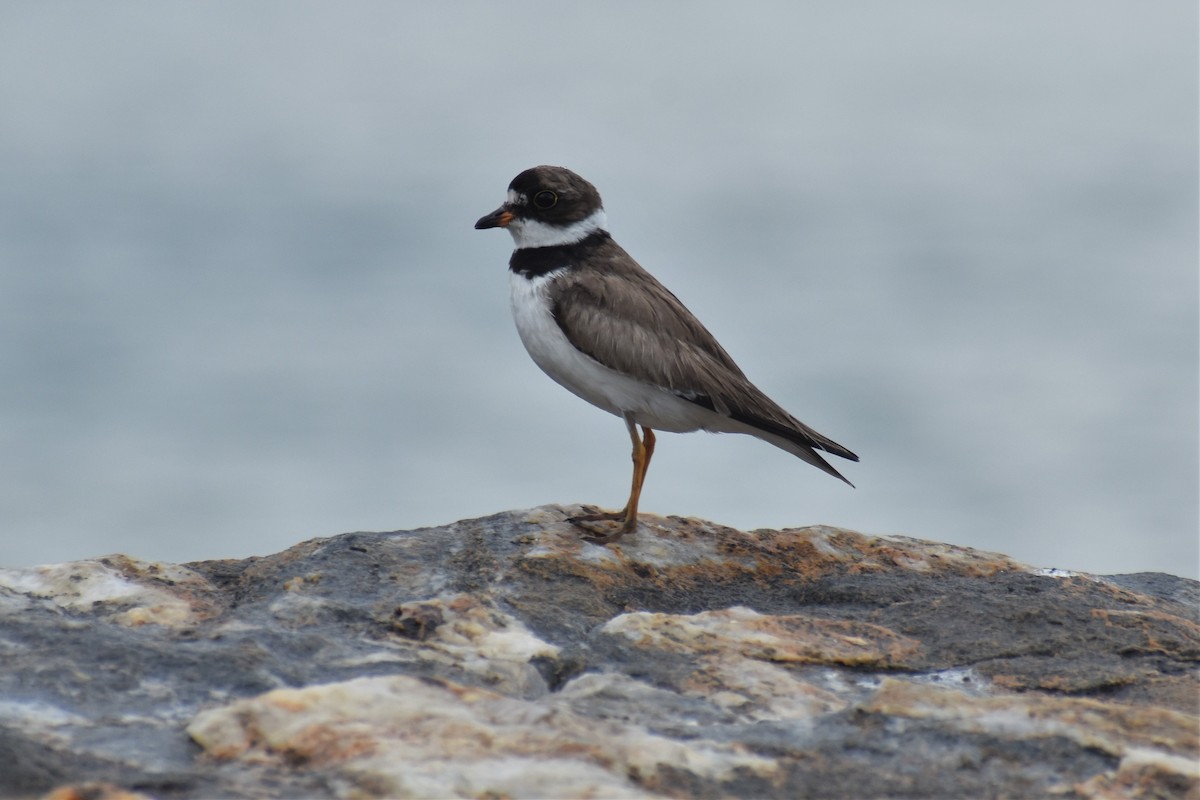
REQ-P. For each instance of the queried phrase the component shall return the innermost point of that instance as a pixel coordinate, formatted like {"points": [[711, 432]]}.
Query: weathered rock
{"points": [[506, 657]]}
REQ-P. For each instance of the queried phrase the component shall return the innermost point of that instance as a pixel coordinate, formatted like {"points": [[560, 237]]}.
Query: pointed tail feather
{"points": [[799, 433], [805, 452]]}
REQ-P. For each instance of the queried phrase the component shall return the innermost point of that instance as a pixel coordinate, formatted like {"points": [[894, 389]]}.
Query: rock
{"points": [[505, 657]]}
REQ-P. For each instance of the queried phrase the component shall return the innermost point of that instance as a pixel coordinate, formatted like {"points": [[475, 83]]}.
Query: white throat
{"points": [[531, 233]]}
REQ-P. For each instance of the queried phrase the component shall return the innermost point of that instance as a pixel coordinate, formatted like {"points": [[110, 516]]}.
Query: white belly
{"points": [[581, 374]]}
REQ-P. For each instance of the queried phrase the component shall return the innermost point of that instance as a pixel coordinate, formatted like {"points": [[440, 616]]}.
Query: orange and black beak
{"points": [[497, 219]]}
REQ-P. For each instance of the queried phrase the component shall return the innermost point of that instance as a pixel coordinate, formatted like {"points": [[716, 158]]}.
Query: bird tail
{"points": [[805, 452], [799, 440]]}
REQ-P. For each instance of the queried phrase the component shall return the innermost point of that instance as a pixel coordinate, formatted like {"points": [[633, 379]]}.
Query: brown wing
{"points": [[631, 323]]}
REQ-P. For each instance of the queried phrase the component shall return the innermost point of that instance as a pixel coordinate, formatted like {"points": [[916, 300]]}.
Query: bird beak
{"points": [[497, 219]]}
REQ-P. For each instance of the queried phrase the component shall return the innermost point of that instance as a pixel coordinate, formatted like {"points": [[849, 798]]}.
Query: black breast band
{"points": [[534, 261]]}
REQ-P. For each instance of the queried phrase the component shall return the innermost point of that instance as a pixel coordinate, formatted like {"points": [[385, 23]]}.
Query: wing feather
{"points": [[625, 319]]}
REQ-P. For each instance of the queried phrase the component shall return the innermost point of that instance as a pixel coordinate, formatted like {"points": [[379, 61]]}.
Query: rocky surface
{"points": [[505, 657]]}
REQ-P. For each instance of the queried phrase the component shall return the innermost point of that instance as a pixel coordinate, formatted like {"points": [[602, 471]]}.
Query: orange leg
{"points": [[643, 449]]}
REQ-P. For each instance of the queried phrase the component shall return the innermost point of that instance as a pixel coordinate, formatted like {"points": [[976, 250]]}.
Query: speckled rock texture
{"points": [[506, 657]]}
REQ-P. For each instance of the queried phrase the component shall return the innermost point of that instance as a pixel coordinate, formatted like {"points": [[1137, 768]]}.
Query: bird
{"points": [[605, 329]]}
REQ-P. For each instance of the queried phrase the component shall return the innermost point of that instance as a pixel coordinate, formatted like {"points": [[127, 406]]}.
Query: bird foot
{"points": [[595, 535], [597, 516]]}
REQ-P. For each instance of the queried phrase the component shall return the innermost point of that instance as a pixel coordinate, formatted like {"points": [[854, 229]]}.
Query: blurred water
{"points": [[241, 302]]}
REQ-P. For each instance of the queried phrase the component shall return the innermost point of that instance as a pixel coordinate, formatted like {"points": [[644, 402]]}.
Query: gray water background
{"points": [[242, 303]]}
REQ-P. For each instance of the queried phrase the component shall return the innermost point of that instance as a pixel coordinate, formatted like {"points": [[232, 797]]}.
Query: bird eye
{"points": [[545, 199]]}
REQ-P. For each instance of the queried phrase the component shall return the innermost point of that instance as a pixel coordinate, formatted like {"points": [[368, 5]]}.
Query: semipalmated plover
{"points": [[604, 328]]}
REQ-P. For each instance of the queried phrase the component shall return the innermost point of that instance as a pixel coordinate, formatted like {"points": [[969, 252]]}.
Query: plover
{"points": [[605, 329]]}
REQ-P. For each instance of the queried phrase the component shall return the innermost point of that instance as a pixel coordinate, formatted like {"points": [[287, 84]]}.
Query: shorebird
{"points": [[601, 326]]}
